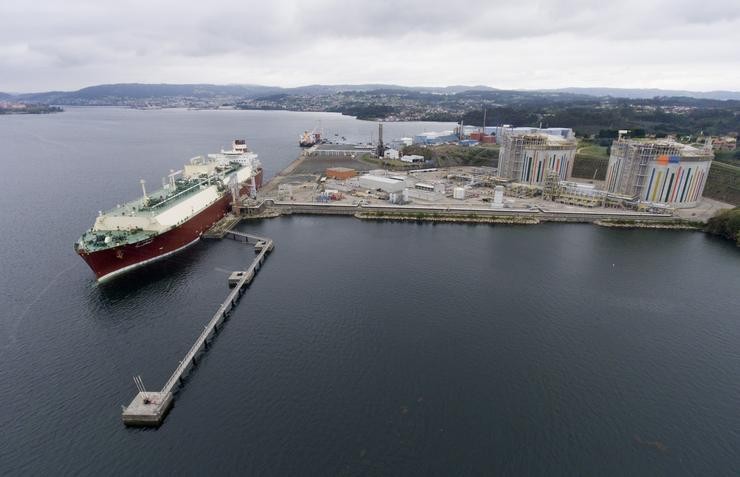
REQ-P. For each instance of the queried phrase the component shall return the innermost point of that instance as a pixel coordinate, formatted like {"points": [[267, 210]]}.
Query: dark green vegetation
{"points": [[592, 160], [369, 112], [588, 116], [726, 224], [31, 109], [590, 167], [444, 217], [723, 183], [655, 224], [448, 155], [728, 157]]}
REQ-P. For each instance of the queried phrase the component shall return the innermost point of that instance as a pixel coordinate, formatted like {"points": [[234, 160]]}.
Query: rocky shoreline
{"points": [[509, 220], [696, 226]]}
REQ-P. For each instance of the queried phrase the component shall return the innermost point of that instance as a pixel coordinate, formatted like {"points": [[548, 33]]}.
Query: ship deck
{"points": [[154, 204], [90, 243], [159, 200], [90, 239]]}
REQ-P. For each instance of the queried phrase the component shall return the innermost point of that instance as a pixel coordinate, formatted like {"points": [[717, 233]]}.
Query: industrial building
{"points": [[430, 138], [346, 150], [386, 184], [587, 195], [422, 194], [391, 154], [660, 171], [499, 131], [528, 154], [340, 173], [412, 158], [467, 130], [724, 143], [483, 137]]}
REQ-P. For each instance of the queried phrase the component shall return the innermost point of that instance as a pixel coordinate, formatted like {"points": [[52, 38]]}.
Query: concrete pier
{"points": [[150, 408], [147, 409]]}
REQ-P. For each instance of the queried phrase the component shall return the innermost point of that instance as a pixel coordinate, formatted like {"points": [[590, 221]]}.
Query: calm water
{"points": [[361, 348]]}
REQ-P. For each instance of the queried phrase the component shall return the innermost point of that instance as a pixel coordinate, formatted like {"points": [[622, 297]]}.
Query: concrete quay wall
{"points": [[432, 213]]}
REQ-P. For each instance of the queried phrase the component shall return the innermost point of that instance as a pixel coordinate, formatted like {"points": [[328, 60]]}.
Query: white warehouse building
{"points": [[387, 184], [412, 158]]}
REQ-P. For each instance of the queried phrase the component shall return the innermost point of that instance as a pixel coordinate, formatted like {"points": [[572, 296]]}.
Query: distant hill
{"points": [[650, 93], [137, 91], [338, 88], [115, 93]]}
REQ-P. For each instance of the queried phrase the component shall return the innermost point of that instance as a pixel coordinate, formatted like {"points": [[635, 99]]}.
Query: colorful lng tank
{"points": [[168, 220], [528, 154], [660, 171]]}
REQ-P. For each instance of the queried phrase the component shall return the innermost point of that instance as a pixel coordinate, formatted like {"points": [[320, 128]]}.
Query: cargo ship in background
{"points": [[166, 221], [308, 139]]}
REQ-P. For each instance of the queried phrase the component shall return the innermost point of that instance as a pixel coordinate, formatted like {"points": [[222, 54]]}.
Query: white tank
{"points": [[498, 197]]}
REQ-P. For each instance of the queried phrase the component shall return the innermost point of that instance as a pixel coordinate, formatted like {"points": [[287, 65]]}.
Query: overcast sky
{"points": [[671, 44]]}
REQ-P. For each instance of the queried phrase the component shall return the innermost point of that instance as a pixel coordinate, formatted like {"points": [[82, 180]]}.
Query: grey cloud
{"points": [[331, 40]]}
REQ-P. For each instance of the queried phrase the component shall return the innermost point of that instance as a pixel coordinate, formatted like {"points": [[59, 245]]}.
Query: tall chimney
{"points": [[381, 148]]}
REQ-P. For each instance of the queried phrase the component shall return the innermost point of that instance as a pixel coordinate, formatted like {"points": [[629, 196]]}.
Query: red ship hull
{"points": [[113, 261]]}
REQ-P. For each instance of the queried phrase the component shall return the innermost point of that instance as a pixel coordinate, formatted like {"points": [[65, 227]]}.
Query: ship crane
{"points": [[172, 176], [143, 190]]}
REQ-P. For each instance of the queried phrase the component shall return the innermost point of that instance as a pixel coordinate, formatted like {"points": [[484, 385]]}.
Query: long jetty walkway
{"points": [[150, 408]]}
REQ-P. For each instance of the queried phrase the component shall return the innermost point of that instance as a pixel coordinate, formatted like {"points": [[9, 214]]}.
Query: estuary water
{"points": [[361, 348]]}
